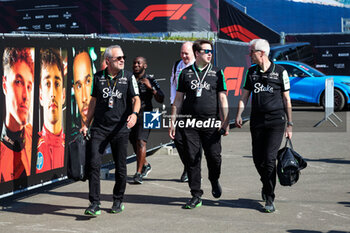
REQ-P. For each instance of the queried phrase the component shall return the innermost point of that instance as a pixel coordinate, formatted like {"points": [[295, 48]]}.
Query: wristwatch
{"points": [[290, 123], [222, 131], [136, 113]]}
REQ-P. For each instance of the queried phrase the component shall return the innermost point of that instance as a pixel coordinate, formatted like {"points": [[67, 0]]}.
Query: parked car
{"points": [[296, 51], [307, 85]]}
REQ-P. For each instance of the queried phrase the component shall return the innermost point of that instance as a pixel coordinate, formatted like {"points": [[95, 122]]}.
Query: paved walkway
{"points": [[319, 202]]}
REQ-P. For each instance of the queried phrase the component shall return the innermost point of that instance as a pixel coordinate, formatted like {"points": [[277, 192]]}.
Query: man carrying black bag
{"points": [[271, 107], [114, 107]]}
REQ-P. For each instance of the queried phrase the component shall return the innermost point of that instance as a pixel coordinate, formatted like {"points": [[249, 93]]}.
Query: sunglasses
{"points": [[206, 51], [118, 58]]}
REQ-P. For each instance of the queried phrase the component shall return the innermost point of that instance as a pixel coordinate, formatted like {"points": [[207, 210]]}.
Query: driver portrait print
{"points": [[17, 120], [52, 95]]}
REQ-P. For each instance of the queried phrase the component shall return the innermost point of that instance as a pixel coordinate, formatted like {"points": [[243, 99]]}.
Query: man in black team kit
{"points": [[114, 105], [271, 107], [206, 103], [148, 87]]}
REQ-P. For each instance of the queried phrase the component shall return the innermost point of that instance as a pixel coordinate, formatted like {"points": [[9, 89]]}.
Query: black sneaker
{"points": [[193, 203], [146, 169], [216, 189], [269, 207], [184, 177], [117, 207], [138, 178], [93, 209]]}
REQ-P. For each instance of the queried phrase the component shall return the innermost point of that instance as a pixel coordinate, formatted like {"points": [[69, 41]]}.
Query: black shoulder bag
{"points": [[289, 164]]}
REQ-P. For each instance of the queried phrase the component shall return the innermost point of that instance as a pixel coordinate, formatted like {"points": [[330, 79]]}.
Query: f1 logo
{"points": [[239, 32], [174, 11], [234, 78], [151, 120]]}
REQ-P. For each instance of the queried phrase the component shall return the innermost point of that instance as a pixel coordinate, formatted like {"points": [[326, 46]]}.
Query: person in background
{"points": [[271, 109], [148, 88], [187, 59]]}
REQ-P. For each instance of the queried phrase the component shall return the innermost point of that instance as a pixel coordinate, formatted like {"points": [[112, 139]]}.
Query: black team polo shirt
{"points": [[207, 105], [267, 89], [126, 88]]}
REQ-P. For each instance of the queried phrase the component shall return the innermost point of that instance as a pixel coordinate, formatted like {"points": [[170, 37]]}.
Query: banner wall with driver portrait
{"points": [[45, 91]]}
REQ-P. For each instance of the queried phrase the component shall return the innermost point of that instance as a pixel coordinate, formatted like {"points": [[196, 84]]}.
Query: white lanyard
{"points": [[205, 74], [199, 89]]}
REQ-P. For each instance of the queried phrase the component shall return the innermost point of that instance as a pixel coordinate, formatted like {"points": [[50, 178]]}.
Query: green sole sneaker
{"points": [[270, 208], [115, 211], [192, 207], [93, 213]]}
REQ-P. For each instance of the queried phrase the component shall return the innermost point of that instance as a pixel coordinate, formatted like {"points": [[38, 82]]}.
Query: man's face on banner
{"points": [[82, 75], [18, 87], [52, 94]]}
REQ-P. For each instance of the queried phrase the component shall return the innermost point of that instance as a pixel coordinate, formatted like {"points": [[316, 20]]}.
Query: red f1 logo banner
{"points": [[111, 16], [234, 78], [236, 25], [239, 32], [174, 16], [173, 11]]}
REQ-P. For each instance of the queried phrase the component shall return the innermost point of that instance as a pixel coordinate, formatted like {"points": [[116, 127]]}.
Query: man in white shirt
{"points": [[187, 59]]}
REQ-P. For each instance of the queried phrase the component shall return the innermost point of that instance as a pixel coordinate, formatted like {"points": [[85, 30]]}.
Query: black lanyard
{"points": [[109, 85]]}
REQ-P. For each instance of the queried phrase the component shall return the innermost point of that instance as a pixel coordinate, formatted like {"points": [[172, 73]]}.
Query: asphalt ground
{"points": [[319, 202]]}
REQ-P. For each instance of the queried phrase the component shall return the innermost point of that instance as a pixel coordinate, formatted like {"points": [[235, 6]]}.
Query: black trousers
{"points": [[119, 143], [266, 140], [180, 145], [210, 139]]}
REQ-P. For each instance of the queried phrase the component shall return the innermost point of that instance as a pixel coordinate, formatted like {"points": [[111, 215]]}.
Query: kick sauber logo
{"points": [[174, 11]]}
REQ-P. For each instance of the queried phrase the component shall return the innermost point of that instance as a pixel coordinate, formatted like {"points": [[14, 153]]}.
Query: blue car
{"points": [[307, 85]]}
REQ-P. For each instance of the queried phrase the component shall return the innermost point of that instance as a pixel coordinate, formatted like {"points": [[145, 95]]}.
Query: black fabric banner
{"points": [[233, 58], [331, 51], [108, 16], [236, 25]]}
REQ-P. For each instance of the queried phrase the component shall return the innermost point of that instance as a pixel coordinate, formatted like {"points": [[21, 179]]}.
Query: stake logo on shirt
{"points": [[195, 85], [106, 94], [261, 88]]}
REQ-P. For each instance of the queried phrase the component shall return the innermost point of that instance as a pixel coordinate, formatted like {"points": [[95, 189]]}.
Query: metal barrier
{"points": [[329, 103]]}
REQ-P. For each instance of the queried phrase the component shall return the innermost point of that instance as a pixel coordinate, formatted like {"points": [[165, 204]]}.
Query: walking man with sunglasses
{"points": [[271, 110], [207, 109], [114, 107]]}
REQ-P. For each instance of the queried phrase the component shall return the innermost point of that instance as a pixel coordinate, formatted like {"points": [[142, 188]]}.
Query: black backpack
{"points": [[289, 164]]}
